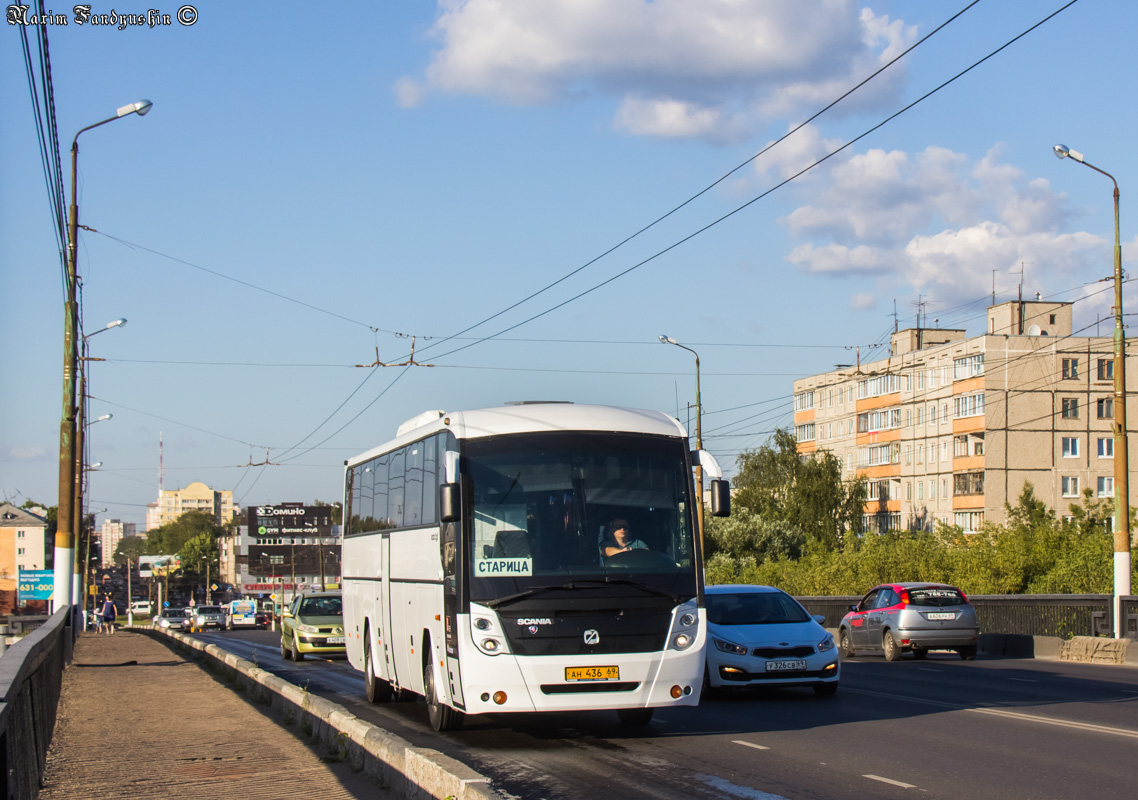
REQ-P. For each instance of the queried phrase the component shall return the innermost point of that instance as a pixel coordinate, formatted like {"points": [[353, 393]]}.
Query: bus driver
{"points": [[619, 539]]}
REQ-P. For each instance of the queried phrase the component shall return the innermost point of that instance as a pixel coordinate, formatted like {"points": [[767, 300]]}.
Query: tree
{"points": [[170, 538], [775, 483], [129, 547]]}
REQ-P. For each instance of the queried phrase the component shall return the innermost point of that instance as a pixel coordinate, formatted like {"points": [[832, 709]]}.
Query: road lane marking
{"points": [[748, 744], [890, 782], [927, 669], [1004, 712], [725, 787], [1023, 680]]}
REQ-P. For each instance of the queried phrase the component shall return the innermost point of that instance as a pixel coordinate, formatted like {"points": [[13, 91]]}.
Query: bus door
{"points": [[449, 554], [386, 630]]}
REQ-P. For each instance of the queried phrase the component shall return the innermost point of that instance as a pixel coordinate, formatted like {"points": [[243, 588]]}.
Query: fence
{"points": [[31, 673], [1063, 615]]}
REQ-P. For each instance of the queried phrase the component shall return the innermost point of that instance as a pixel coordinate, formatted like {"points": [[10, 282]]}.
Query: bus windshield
{"points": [[546, 506]]}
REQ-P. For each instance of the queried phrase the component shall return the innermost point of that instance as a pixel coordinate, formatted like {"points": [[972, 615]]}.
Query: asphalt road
{"points": [[941, 727]]}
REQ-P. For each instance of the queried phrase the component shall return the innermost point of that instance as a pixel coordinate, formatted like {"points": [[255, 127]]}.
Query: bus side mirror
{"points": [[450, 505], [720, 498]]}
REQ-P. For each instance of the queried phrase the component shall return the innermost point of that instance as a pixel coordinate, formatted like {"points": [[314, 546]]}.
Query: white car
{"points": [[761, 636]]}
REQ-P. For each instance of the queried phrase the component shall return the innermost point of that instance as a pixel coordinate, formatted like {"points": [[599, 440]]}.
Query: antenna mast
{"points": [[161, 469]]}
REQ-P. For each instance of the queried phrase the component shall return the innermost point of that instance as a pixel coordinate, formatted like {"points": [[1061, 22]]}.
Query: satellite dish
{"points": [[1034, 330]]}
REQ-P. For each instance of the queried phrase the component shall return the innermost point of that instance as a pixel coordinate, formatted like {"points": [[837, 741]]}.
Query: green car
{"points": [[313, 624]]}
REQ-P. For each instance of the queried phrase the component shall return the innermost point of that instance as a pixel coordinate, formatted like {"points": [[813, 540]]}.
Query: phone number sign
{"points": [[36, 584]]}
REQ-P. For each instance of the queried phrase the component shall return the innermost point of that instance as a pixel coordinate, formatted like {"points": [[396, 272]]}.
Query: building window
{"points": [[968, 483], [944, 488], [968, 367], [1070, 368], [932, 413], [1070, 484], [20, 551], [932, 490], [1070, 447], [969, 521], [803, 401], [1105, 487], [908, 454], [908, 490], [920, 490], [1105, 447], [944, 450], [1104, 407], [920, 454], [968, 405], [920, 415], [1105, 371], [1070, 408], [804, 433]]}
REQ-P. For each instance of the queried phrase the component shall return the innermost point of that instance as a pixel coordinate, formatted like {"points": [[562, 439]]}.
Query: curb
{"points": [[418, 773]]}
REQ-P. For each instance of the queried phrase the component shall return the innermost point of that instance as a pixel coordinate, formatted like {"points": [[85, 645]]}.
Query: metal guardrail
{"points": [[1062, 615], [31, 673]]}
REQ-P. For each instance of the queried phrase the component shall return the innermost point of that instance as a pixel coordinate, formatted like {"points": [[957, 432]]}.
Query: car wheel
{"points": [[443, 717], [296, 654], [826, 689], [284, 650], [967, 653], [920, 652], [845, 646], [634, 717], [376, 689], [889, 645]]}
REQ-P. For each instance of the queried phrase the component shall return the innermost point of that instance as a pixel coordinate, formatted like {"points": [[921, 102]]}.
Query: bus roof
{"points": [[530, 417]]}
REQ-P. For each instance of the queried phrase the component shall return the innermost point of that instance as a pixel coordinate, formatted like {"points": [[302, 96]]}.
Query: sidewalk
{"points": [[138, 720]]}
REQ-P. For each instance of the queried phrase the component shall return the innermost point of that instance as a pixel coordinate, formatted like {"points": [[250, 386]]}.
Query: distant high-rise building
{"points": [[949, 429], [111, 533], [174, 503]]}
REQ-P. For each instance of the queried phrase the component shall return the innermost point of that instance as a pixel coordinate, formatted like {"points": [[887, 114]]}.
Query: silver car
{"points": [[894, 618], [203, 617]]}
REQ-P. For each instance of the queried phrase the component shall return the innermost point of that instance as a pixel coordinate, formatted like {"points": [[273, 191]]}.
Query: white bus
{"points": [[474, 566]]}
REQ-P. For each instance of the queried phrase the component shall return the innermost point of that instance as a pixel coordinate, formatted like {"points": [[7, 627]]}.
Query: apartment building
{"points": [[111, 532], [195, 497], [948, 428]]}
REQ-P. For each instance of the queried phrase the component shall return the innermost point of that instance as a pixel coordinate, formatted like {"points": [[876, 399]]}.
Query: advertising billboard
{"points": [[35, 584], [151, 566], [290, 520]]}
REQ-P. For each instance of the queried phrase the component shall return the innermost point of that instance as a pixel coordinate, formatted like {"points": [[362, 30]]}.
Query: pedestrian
{"points": [[98, 619], [109, 614]]}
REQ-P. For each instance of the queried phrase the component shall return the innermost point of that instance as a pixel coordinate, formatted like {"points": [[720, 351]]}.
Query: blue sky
{"points": [[314, 188]]}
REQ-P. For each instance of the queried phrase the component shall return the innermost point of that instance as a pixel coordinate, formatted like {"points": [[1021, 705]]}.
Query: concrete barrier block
{"points": [[431, 774], [1094, 649]]}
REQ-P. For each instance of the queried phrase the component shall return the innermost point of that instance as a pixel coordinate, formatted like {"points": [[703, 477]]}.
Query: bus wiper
{"points": [[580, 584]]}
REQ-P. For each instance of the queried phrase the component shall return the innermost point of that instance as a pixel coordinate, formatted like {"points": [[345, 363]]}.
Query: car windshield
{"points": [[321, 607], [754, 608], [209, 609], [936, 596], [174, 613]]}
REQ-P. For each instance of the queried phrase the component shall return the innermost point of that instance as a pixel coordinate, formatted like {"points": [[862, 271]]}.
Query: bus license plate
{"points": [[779, 666], [592, 673]]}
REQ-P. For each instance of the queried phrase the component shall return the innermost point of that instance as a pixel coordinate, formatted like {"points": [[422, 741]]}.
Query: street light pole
{"points": [[698, 435], [1121, 449], [66, 512], [81, 426]]}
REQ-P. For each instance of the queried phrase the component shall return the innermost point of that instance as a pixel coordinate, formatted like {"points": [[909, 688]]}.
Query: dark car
{"points": [[895, 618]]}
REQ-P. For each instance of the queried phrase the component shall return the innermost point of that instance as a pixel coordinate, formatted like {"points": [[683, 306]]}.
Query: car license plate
{"points": [[335, 640], [592, 673], [941, 615], [783, 666]]}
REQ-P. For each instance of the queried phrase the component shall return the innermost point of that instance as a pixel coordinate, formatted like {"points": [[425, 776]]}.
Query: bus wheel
{"points": [[443, 717], [634, 717], [377, 689]]}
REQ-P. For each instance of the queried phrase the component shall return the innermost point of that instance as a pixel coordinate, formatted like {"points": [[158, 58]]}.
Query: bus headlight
{"points": [[490, 646], [688, 620], [682, 641]]}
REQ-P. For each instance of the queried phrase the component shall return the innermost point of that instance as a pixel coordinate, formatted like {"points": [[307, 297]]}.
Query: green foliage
{"points": [[129, 547], [170, 538], [1033, 553], [808, 494]]}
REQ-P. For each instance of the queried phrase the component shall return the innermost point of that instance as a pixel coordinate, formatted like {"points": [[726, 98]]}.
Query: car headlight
{"points": [[308, 629], [728, 647], [826, 644], [200, 620]]}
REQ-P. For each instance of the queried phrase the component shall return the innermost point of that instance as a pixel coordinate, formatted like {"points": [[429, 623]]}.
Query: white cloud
{"points": [[677, 66], [794, 154], [863, 301], [936, 223]]}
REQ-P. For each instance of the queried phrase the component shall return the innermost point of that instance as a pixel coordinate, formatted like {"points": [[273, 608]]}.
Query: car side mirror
{"points": [[450, 502], [855, 607], [819, 618]]}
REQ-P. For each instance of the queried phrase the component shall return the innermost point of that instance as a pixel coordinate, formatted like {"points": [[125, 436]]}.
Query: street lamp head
{"points": [[101, 419], [118, 323], [1062, 151], [140, 107], [664, 339]]}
